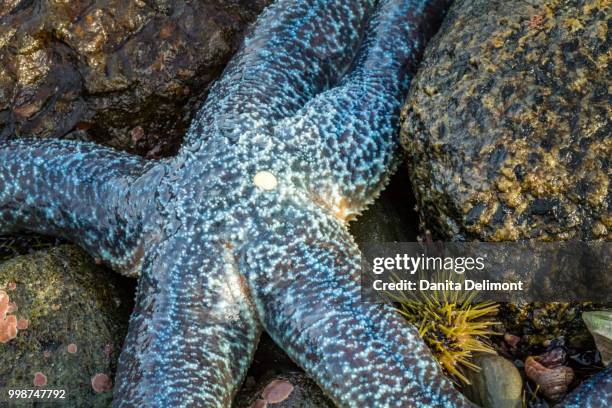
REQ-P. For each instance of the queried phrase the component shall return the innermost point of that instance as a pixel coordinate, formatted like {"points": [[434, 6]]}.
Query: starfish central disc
{"points": [[265, 180]]}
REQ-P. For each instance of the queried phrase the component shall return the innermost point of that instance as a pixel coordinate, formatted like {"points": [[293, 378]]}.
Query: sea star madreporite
{"points": [[245, 229]]}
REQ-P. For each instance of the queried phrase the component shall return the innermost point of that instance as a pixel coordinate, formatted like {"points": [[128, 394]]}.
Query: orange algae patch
{"points": [[40, 380], [8, 324], [260, 404], [277, 391], [101, 383], [23, 324], [4, 303]]}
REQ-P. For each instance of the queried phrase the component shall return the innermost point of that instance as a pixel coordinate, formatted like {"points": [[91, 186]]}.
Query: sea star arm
{"points": [[75, 190], [596, 392], [351, 129], [303, 274], [294, 51], [193, 332]]}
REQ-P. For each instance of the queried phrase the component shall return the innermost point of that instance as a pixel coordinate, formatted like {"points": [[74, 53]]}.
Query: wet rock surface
{"points": [[125, 74], [391, 217], [71, 318], [551, 346], [498, 383], [599, 324], [538, 324], [287, 390], [507, 125], [274, 381]]}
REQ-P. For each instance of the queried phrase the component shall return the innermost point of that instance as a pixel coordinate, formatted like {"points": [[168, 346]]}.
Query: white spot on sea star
{"points": [[265, 180]]}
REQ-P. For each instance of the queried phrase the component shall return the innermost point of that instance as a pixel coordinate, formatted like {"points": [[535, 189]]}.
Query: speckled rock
{"points": [[538, 324], [73, 318], [498, 383], [119, 73], [507, 125]]}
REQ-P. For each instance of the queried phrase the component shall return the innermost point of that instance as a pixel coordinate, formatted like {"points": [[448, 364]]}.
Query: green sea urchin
{"points": [[453, 326]]}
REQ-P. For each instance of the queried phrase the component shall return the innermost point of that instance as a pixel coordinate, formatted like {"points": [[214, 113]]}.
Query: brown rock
{"points": [[497, 383], [100, 70], [507, 124], [64, 301]]}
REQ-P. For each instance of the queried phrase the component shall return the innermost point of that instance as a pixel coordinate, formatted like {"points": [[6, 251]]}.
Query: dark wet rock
{"points": [[538, 324], [126, 74], [15, 245], [73, 317], [498, 383], [391, 217], [271, 376], [507, 125], [285, 390]]}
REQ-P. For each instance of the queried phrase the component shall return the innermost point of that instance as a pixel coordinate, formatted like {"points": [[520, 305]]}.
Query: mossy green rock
{"points": [[68, 301], [498, 384], [599, 324], [507, 124]]}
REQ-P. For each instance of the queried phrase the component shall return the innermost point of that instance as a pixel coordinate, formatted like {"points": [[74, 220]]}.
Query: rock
{"points": [[538, 324], [599, 324], [390, 218], [507, 124], [274, 381], [498, 384], [12, 246], [77, 316], [511, 339], [287, 390], [125, 74]]}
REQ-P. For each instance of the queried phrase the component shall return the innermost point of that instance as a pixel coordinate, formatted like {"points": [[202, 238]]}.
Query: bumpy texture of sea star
{"points": [[245, 229]]}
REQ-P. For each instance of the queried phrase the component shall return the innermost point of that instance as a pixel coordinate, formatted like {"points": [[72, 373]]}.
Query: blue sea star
{"points": [[245, 229]]}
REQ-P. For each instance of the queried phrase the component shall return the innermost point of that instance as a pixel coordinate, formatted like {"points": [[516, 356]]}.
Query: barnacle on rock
{"points": [[453, 326]]}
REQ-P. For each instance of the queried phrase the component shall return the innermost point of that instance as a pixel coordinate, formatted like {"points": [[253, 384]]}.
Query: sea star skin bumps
{"points": [[245, 229], [596, 392]]}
